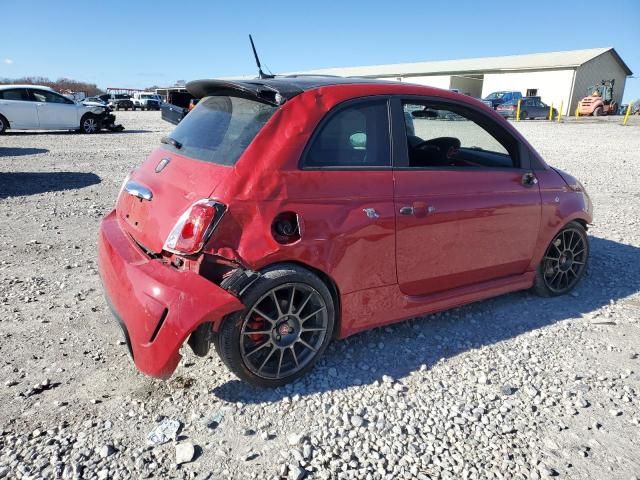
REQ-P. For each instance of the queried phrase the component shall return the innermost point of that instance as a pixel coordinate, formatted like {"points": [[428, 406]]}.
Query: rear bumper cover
{"points": [[156, 305]]}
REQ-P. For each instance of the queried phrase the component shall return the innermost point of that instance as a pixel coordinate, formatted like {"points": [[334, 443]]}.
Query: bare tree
{"points": [[62, 85]]}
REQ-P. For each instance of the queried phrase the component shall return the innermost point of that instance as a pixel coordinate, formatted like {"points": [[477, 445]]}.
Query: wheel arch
{"points": [[6, 121], [550, 235]]}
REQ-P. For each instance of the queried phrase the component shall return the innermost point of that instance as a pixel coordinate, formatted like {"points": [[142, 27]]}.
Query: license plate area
{"points": [[132, 211]]}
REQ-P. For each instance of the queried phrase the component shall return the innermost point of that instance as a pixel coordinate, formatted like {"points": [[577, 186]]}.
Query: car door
{"points": [[16, 107], [467, 205], [343, 191], [54, 110]]}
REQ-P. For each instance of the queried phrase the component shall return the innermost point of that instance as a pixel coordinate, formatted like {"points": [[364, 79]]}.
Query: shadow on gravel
{"points": [[13, 184], [402, 348], [21, 152]]}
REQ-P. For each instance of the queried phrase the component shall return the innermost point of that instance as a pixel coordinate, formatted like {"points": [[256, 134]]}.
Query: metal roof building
{"points": [[557, 77]]}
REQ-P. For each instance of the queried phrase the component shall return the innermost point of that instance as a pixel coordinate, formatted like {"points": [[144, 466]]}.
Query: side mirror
{"points": [[358, 140]]}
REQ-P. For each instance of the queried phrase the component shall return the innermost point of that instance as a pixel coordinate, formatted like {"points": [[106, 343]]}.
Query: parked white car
{"points": [[34, 107], [146, 101]]}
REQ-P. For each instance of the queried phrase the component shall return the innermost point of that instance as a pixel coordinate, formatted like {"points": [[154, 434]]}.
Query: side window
{"points": [[353, 136], [14, 94], [49, 97], [455, 137]]}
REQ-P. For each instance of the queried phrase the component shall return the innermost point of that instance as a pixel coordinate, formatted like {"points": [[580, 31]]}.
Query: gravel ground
{"points": [[513, 387]]}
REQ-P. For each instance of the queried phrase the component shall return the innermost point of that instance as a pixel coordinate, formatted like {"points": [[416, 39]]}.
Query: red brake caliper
{"points": [[257, 324]]}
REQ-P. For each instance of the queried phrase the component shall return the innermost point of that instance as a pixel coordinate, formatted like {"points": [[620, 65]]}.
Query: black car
{"points": [[530, 107], [176, 106]]}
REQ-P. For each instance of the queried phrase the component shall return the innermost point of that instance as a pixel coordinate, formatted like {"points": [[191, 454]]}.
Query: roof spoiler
{"points": [[271, 91]]}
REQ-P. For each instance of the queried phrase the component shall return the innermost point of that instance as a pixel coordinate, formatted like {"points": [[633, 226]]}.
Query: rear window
{"points": [[220, 128]]}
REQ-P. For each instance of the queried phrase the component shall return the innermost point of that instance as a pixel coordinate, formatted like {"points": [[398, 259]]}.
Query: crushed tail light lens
{"points": [[194, 227]]}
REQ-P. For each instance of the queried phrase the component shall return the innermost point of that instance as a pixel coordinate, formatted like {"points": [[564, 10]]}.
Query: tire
{"points": [[4, 124], [283, 342], [556, 274], [523, 115], [90, 124], [597, 112]]}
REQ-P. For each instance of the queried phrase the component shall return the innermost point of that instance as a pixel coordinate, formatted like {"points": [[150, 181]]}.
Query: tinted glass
{"points": [[452, 137], [220, 128], [14, 94], [355, 136], [48, 97]]}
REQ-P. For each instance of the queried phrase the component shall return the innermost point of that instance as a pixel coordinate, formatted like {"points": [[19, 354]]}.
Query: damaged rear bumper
{"points": [[156, 305]]}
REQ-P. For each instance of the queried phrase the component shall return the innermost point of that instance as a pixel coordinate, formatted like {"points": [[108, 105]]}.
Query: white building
{"points": [[557, 77]]}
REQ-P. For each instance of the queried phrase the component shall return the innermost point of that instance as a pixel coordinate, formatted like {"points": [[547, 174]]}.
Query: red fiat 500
{"points": [[282, 213]]}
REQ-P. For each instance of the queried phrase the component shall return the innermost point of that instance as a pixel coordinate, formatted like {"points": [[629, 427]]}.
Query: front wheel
{"points": [[3, 125], [286, 326], [597, 112], [564, 263], [523, 115], [89, 124]]}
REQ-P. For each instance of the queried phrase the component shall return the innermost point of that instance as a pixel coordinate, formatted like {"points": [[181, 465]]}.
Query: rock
{"points": [[546, 471], [107, 450], [615, 412], [581, 402], [295, 439], [296, 472], [356, 420], [185, 452], [482, 379], [214, 419], [103, 474], [166, 431], [507, 390], [307, 451]]}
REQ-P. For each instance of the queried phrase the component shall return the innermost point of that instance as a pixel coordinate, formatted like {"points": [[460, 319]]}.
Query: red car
{"points": [[282, 213]]}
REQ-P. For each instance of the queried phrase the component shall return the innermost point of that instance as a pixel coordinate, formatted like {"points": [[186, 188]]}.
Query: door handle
{"points": [[529, 179], [406, 210], [419, 209]]}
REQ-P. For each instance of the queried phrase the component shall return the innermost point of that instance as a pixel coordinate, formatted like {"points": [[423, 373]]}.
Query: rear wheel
{"points": [[4, 124], [286, 326], [597, 112], [523, 115], [564, 262]]}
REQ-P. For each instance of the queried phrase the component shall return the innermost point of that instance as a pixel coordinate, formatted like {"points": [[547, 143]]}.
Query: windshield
{"points": [[220, 128], [148, 96], [495, 95]]}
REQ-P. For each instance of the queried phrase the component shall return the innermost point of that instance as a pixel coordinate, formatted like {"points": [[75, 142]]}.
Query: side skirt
{"points": [[380, 306]]}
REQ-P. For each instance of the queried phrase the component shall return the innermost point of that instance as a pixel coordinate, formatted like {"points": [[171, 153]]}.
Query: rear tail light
{"points": [[194, 227]]}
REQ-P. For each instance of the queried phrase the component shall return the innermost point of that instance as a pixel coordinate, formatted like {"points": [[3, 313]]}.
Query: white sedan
{"points": [[34, 107]]}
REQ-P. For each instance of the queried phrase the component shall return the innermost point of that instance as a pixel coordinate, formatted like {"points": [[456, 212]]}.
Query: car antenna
{"points": [[261, 74]]}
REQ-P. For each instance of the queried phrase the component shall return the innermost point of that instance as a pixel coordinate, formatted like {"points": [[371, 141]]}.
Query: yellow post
{"points": [[551, 112], [626, 115], [578, 110], [560, 111], [518, 112]]}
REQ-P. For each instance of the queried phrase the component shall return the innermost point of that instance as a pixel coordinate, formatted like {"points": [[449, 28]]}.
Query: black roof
{"points": [[274, 90]]}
